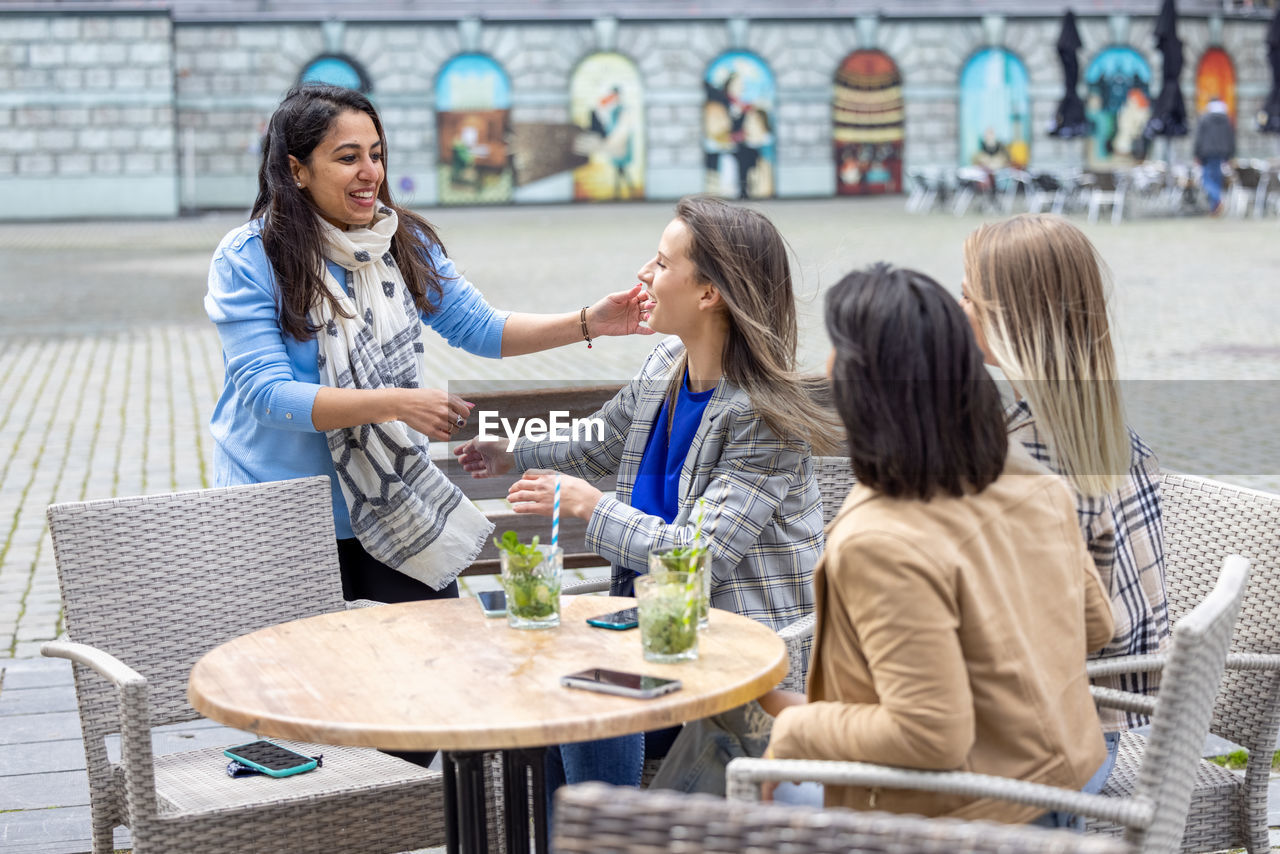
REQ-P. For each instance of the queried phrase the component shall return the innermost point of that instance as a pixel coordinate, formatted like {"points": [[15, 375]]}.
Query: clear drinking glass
{"points": [[533, 587], [668, 606], [687, 559]]}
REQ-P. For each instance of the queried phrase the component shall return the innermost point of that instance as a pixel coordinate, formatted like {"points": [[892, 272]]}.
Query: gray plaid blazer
{"points": [[768, 534]]}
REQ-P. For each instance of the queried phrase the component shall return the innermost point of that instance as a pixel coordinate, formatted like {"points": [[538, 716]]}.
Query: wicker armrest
{"points": [[599, 585], [110, 667], [1126, 664], [1113, 699], [797, 636], [1253, 661], [745, 775]]}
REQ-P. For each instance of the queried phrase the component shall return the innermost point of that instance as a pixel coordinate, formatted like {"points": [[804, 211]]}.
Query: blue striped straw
{"points": [[555, 516]]}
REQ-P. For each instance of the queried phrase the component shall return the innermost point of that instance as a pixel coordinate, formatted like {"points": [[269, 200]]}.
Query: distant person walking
{"points": [[1215, 143]]}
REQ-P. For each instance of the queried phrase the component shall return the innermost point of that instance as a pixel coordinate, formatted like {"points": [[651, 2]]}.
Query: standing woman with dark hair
{"points": [[319, 301], [1034, 293], [955, 601], [718, 411]]}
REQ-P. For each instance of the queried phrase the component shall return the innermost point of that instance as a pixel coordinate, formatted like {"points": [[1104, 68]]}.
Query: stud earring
{"points": [[299, 183]]}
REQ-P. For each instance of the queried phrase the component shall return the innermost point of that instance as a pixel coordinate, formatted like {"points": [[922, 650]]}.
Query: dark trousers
{"points": [[366, 577]]}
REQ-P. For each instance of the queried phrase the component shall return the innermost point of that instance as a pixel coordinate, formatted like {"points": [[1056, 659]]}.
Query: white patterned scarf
{"points": [[404, 510]]}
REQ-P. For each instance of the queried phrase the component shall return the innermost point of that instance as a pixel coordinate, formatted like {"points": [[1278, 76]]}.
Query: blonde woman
{"points": [[1034, 294]]}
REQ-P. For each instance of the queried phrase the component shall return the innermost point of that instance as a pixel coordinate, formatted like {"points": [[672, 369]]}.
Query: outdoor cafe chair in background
{"points": [[600, 819], [1205, 520], [1248, 187], [149, 584], [1154, 815], [1105, 188]]}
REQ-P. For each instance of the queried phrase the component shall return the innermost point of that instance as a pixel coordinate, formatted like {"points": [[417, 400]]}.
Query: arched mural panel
{"points": [[867, 121], [336, 70], [738, 142], [995, 110], [473, 125], [1216, 77], [606, 100], [1118, 106]]}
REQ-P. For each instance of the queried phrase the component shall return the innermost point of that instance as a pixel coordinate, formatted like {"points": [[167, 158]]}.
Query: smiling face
{"points": [[671, 280], [344, 173]]}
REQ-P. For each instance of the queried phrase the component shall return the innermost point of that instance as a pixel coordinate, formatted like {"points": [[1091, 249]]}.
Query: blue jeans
{"points": [[619, 761], [1096, 783], [1211, 180]]}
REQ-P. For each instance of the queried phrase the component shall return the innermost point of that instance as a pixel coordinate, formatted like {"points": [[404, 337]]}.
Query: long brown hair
{"points": [[291, 233], [741, 253], [1036, 284]]}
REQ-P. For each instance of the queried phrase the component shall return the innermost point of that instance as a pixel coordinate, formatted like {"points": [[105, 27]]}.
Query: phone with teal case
{"points": [[270, 758]]}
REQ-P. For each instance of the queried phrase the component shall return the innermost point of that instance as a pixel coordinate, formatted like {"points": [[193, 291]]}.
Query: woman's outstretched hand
{"points": [[620, 313], [484, 457], [536, 492], [433, 412]]}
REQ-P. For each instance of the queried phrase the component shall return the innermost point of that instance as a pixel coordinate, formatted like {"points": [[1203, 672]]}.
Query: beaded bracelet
{"points": [[582, 319]]}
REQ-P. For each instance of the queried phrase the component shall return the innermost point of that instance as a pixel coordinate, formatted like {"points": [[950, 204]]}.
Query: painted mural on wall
{"points": [[868, 120], [336, 70], [1216, 78], [606, 100], [995, 111], [1118, 106], [473, 124], [738, 121]]}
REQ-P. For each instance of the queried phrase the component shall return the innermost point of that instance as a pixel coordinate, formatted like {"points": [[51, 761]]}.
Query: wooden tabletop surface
{"points": [[440, 675]]}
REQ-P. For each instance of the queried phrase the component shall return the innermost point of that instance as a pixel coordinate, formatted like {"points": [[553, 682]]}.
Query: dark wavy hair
{"points": [[923, 414], [290, 222]]}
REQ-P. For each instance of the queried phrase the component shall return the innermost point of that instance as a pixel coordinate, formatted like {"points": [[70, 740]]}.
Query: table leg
{"points": [[464, 803], [521, 769]]}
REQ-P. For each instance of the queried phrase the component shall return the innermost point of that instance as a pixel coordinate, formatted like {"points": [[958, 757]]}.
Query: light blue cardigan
{"points": [[262, 423]]}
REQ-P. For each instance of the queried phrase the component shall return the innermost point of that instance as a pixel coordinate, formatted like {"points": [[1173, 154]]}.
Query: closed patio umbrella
{"points": [[1269, 115], [1169, 113], [1069, 120]]}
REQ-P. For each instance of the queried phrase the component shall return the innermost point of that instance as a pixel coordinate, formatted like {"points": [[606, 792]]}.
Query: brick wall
{"points": [[86, 116]]}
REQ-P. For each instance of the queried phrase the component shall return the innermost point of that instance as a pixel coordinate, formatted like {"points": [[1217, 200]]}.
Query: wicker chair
{"points": [[601, 819], [1154, 815], [1205, 520], [149, 584]]}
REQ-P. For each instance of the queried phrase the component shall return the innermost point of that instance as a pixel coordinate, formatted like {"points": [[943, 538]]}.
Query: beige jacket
{"points": [[952, 634]]}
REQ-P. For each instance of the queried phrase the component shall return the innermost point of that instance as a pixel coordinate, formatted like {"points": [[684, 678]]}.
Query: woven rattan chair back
{"points": [[1197, 657], [835, 479], [606, 820], [159, 580], [1205, 520]]}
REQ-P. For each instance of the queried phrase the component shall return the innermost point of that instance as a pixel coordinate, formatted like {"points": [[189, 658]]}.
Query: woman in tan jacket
{"points": [[956, 601]]}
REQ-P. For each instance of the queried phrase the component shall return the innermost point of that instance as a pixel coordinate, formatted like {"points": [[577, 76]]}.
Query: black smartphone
{"points": [[492, 602], [627, 618], [618, 682], [270, 758]]}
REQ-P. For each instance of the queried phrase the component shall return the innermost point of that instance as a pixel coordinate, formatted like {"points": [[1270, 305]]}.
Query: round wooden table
{"points": [[441, 676]]}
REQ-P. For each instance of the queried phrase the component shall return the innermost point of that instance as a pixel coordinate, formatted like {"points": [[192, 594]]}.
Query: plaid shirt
{"points": [[1125, 535], [761, 492]]}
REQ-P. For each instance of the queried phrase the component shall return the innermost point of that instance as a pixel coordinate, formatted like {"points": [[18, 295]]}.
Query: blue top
{"points": [[261, 425], [657, 488]]}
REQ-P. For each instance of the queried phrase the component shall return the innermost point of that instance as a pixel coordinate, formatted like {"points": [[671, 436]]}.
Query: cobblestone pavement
{"points": [[109, 369]]}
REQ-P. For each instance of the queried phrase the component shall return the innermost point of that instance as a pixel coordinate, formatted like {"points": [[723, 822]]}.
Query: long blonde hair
{"points": [[1036, 283], [741, 253]]}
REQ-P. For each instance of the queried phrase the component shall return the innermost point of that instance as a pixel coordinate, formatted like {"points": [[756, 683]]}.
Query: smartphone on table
{"points": [[620, 682], [270, 758], [493, 602], [627, 618]]}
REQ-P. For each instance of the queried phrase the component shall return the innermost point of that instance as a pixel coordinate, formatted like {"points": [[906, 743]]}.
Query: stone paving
{"points": [[109, 371]]}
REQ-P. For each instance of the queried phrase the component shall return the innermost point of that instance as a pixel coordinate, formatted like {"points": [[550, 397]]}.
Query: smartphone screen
{"points": [[269, 756], [493, 602], [627, 618], [620, 682]]}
